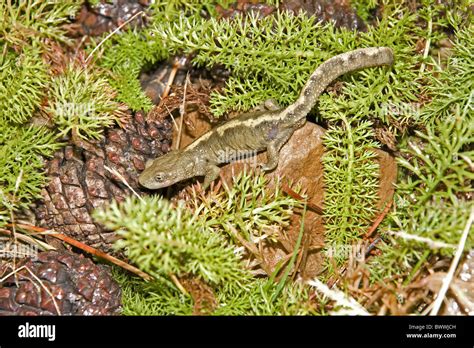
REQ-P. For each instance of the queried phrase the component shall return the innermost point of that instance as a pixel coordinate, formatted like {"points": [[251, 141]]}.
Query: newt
{"points": [[256, 131]]}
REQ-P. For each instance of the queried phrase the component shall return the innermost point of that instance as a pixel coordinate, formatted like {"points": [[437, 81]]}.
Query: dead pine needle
{"points": [[87, 249], [454, 264], [113, 33], [182, 113], [340, 298], [122, 179]]}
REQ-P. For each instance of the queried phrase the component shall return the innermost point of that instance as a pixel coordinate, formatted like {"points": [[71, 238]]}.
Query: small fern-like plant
{"points": [[21, 164], [81, 100], [163, 239], [25, 22], [22, 81]]}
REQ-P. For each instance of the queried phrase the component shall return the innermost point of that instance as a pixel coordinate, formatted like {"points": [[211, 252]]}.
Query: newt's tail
{"points": [[332, 69]]}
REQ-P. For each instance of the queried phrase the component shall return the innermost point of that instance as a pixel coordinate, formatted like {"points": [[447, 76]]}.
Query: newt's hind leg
{"points": [[212, 173], [274, 147]]}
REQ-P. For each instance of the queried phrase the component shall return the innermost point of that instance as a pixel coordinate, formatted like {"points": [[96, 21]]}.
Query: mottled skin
{"points": [[257, 131]]}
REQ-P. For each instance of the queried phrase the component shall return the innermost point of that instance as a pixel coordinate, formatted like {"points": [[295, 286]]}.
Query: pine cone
{"points": [[338, 11], [75, 286], [80, 181], [106, 16]]}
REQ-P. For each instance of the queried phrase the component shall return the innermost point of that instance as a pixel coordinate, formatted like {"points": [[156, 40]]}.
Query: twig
{"points": [[88, 249], [169, 83], [28, 239], [172, 118], [11, 273], [178, 284], [379, 219], [454, 264], [12, 216], [182, 113], [291, 193]]}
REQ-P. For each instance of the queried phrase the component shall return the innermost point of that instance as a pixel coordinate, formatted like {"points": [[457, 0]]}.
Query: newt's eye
{"points": [[159, 177]]}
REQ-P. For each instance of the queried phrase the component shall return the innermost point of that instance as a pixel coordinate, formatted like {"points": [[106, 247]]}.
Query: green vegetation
{"points": [[21, 164], [255, 298], [77, 99], [270, 58], [80, 100], [125, 56], [22, 79], [136, 50], [166, 241], [29, 22], [424, 102]]}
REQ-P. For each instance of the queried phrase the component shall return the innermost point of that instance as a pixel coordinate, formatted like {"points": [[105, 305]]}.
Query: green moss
{"points": [[426, 103], [22, 81], [351, 180], [26, 27], [160, 297], [271, 58], [432, 196], [81, 100], [259, 52], [21, 164], [136, 50], [164, 240], [450, 89], [30, 21], [364, 8]]}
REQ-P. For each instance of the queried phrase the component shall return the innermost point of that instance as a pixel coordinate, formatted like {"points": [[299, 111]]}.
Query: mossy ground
{"points": [[423, 104]]}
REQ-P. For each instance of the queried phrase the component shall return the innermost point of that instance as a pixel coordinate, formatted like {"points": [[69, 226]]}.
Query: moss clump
{"points": [[22, 79], [78, 100], [29, 22], [163, 240], [81, 101], [21, 162]]}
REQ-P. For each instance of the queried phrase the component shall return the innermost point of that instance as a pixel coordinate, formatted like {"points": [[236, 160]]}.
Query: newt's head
{"points": [[165, 171]]}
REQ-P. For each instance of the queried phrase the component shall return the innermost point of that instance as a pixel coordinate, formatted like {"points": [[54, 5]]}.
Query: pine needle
{"points": [[454, 264], [113, 33], [340, 298]]}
